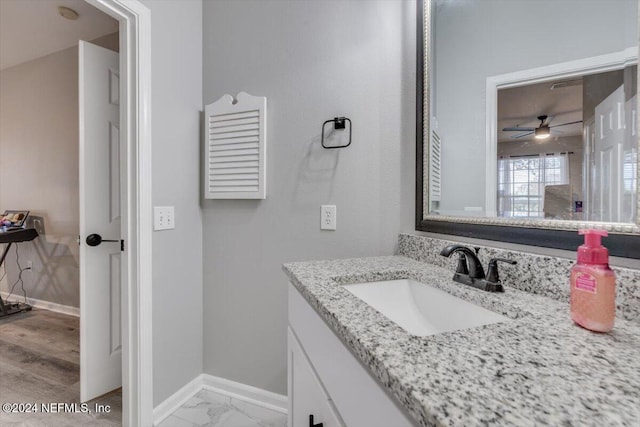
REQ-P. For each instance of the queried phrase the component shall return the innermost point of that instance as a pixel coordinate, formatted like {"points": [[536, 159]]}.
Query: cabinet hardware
{"points": [[311, 424]]}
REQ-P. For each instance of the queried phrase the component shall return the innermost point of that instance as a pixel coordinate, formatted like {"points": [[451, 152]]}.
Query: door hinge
{"points": [[121, 245]]}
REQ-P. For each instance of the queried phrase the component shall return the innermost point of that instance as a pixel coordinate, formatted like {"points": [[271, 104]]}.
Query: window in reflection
{"points": [[524, 181]]}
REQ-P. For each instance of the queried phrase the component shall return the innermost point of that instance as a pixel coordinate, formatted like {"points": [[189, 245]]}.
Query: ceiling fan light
{"points": [[542, 132]]}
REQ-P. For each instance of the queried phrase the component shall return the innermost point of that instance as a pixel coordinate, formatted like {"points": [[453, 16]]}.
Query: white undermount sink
{"points": [[422, 309]]}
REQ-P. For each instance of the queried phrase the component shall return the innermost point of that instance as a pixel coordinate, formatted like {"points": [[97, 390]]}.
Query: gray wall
{"points": [[39, 171], [477, 39], [313, 60], [176, 86]]}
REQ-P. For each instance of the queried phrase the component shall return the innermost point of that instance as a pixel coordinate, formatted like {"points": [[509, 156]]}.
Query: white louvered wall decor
{"points": [[435, 189], [235, 148]]}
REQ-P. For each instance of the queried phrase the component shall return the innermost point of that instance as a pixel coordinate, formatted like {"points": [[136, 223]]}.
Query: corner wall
{"points": [[176, 86], [313, 60]]}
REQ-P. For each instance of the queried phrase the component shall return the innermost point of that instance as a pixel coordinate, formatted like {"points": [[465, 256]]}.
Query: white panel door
{"points": [[630, 162], [588, 136], [608, 158], [100, 265]]}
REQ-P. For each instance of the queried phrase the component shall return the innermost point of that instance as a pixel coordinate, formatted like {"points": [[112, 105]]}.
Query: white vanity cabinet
{"points": [[310, 398], [327, 381]]}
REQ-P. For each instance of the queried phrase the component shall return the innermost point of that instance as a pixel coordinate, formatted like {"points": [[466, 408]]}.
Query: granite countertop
{"points": [[538, 369]]}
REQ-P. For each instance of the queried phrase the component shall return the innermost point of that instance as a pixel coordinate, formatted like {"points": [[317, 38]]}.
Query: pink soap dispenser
{"points": [[593, 285]]}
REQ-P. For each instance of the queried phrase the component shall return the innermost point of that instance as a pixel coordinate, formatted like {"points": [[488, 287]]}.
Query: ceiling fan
{"points": [[543, 131]]}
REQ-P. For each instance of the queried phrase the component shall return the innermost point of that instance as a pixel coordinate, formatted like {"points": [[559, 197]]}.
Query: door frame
{"points": [[136, 206]]}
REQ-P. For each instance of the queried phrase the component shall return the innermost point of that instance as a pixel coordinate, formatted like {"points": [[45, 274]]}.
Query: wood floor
{"points": [[40, 363]]}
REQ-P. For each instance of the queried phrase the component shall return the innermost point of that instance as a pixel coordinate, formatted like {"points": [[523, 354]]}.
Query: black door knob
{"points": [[95, 239]]}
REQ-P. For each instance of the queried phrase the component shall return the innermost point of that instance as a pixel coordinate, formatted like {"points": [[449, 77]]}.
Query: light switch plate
{"points": [[164, 218], [328, 217]]}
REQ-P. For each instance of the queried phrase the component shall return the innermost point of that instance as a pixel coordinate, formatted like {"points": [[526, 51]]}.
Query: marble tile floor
{"points": [[209, 409]]}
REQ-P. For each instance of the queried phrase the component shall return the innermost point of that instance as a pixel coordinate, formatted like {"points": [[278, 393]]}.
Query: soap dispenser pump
{"points": [[593, 285]]}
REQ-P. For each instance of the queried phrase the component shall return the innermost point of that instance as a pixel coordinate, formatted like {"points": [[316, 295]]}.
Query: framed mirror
{"points": [[526, 125]]}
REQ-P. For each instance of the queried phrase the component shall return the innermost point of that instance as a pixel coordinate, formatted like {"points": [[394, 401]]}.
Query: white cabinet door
{"points": [[306, 395], [358, 399]]}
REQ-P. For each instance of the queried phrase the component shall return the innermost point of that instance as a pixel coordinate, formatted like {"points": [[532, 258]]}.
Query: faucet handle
{"points": [[492, 273], [462, 265]]}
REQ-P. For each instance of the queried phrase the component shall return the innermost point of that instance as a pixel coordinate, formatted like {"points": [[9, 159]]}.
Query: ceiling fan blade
{"points": [[522, 135], [518, 129], [565, 124], [548, 120], [556, 132]]}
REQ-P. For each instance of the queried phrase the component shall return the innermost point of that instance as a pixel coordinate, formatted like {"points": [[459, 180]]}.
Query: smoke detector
{"points": [[68, 13]]}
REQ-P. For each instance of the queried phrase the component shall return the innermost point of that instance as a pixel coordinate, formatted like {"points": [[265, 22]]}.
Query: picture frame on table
{"points": [[13, 219]]}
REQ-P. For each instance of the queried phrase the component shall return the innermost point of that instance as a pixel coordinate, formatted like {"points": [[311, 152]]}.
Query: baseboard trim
{"points": [[257, 396], [176, 400], [246, 393], [45, 305]]}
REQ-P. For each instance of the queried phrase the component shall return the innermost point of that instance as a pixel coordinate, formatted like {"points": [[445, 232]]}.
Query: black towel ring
{"points": [[338, 123]]}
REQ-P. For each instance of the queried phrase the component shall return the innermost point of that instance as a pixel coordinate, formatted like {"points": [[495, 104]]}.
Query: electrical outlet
{"points": [[164, 218], [328, 217]]}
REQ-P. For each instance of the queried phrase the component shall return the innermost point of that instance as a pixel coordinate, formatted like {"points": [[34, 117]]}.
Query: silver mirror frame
{"points": [[624, 238]]}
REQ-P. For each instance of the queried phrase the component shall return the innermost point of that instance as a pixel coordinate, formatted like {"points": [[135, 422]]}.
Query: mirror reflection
{"points": [[567, 148], [533, 109]]}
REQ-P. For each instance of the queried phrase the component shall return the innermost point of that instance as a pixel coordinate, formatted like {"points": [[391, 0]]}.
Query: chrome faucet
{"points": [[472, 274]]}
